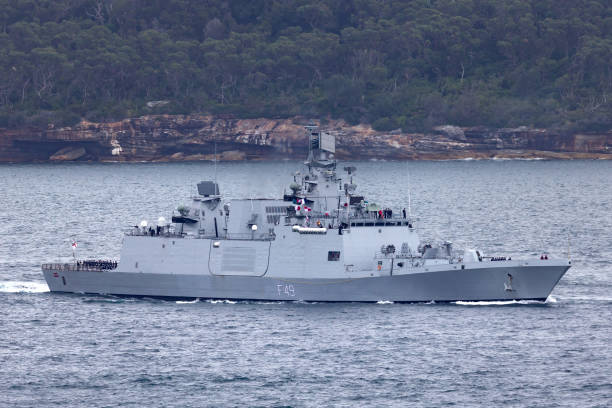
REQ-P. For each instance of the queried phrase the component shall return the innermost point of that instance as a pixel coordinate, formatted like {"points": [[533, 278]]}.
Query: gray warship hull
{"points": [[533, 282]]}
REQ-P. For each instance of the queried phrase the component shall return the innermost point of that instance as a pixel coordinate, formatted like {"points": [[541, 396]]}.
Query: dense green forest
{"points": [[394, 64]]}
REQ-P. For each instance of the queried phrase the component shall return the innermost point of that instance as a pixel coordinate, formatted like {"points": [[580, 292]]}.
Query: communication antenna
{"points": [[215, 161], [409, 202], [409, 196]]}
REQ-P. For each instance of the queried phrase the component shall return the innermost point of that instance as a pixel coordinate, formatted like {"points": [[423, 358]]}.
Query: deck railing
{"points": [[93, 266], [147, 233], [223, 236]]}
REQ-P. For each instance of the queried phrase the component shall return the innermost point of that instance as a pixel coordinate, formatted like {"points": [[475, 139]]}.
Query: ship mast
{"points": [[321, 148]]}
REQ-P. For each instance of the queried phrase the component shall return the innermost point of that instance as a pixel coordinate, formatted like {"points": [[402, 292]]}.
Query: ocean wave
{"points": [[23, 287], [103, 299], [587, 298], [186, 302], [226, 301]]}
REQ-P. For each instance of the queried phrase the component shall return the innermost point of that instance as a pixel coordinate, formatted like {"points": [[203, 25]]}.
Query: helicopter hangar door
{"points": [[239, 257]]}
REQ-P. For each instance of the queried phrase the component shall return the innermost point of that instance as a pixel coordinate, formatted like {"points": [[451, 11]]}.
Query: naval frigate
{"points": [[321, 241]]}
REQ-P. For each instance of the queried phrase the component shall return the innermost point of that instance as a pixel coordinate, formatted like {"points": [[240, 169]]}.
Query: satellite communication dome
{"points": [[161, 221], [144, 223], [254, 227]]}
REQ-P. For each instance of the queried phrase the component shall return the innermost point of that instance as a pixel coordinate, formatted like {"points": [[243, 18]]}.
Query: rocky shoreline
{"points": [[164, 138]]}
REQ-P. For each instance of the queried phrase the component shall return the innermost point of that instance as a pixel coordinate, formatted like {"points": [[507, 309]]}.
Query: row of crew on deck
{"points": [[97, 264], [143, 230]]}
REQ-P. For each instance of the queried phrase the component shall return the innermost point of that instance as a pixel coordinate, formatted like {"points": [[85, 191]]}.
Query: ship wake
{"points": [[185, 302], [549, 300], [23, 287]]}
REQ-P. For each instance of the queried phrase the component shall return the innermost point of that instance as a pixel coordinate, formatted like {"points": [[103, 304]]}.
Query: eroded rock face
{"points": [[193, 137], [68, 154]]}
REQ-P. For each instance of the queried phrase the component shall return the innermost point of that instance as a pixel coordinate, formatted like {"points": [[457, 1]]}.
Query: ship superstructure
{"points": [[321, 241]]}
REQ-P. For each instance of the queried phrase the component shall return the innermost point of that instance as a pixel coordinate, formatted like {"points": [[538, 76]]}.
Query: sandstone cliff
{"points": [[193, 137]]}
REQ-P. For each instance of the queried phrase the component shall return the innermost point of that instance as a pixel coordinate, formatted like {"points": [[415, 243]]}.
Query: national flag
{"points": [[74, 244]]}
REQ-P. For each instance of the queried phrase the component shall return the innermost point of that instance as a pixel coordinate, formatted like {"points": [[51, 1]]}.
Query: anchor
{"points": [[508, 284]]}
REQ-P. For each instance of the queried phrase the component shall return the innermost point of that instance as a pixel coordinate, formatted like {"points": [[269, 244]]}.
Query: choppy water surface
{"points": [[76, 350]]}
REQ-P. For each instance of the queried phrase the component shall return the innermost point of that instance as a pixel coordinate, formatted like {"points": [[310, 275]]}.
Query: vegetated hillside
{"points": [[395, 64]]}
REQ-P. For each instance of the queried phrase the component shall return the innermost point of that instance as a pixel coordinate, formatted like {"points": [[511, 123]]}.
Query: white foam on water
{"points": [[185, 302], [384, 302], [598, 298], [587, 298], [23, 287], [227, 301], [499, 303]]}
